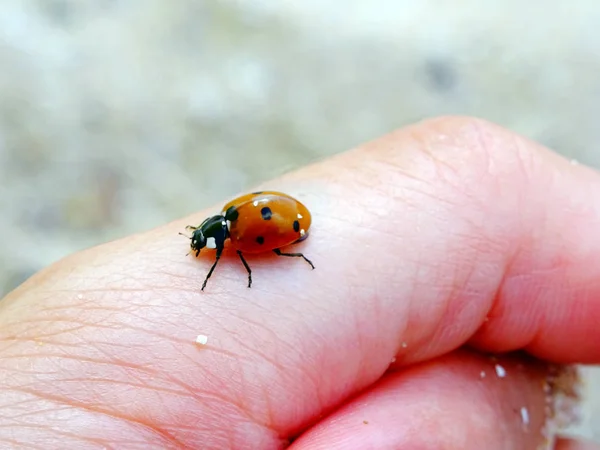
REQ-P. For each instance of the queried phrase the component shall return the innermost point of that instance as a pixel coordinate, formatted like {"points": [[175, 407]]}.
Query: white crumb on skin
{"points": [[201, 339], [524, 415], [482, 374], [500, 371]]}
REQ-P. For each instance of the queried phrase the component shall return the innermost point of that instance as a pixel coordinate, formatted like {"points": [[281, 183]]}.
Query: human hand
{"points": [[433, 245]]}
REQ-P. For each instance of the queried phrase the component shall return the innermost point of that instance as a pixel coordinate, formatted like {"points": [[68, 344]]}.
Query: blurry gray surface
{"points": [[116, 116]]}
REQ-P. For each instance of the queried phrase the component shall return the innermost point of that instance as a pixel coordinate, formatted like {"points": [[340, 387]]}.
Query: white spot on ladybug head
{"points": [[211, 243], [224, 223], [229, 224], [299, 216]]}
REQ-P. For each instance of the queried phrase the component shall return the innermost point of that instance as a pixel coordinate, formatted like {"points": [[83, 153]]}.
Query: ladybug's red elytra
{"points": [[254, 223]]}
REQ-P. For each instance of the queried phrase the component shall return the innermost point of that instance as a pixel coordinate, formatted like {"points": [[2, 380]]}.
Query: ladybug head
{"points": [[197, 241], [210, 234]]}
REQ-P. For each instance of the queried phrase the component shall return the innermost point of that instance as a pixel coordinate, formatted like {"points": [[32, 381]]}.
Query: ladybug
{"points": [[254, 223]]}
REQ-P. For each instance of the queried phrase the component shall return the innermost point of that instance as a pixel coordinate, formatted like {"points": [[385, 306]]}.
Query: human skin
{"points": [[434, 246]]}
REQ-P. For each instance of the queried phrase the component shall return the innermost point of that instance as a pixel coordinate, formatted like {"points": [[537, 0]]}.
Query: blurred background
{"points": [[120, 115]]}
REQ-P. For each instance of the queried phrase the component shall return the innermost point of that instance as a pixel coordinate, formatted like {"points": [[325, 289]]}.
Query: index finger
{"points": [[448, 232], [455, 231]]}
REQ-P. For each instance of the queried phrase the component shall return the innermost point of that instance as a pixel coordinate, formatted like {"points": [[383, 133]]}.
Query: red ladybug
{"points": [[254, 223]]}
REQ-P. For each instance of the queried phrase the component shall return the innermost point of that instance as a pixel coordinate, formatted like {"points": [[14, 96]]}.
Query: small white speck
{"points": [[211, 243], [299, 216], [255, 202], [547, 388], [482, 374], [393, 360], [302, 232], [224, 223], [202, 339], [525, 416], [404, 345], [79, 296], [500, 371], [574, 162], [229, 224]]}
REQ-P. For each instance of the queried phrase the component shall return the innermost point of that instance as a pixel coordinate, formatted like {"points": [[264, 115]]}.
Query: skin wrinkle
{"points": [[194, 393], [79, 358], [202, 395], [191, 391], [536, 232], [14, 416], [73, 435], [318, 397], [281, 369], [398, 173], [452, 157], [315, 395], [43, 338], [462, 193], [441, 164], [451, 291], [155, 431], [444, 321], [141, 383], [20, 444], [244, 384]]}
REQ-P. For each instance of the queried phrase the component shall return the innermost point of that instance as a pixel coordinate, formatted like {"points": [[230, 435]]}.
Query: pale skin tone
{"points": [[432, 245]]}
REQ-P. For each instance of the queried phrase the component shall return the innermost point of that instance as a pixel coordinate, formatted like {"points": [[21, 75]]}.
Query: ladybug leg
{"points": [[300, 255], [212, 268], [247, 268]]}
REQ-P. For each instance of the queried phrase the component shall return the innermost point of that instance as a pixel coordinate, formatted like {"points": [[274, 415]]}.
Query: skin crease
{"points": [[431, 244]]}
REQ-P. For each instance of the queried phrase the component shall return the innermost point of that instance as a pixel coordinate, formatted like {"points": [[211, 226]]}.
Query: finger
{"points": [[456, 402], [417, 237], [469, 232]]}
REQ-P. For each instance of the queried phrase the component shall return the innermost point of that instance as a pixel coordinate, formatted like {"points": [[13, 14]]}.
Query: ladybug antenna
{"points": [[185, 235]]}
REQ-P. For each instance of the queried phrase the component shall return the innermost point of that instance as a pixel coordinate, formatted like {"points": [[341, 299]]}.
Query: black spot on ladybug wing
{"points": [[260, 240], [266, 213], [231, 214], [296, 226]]}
